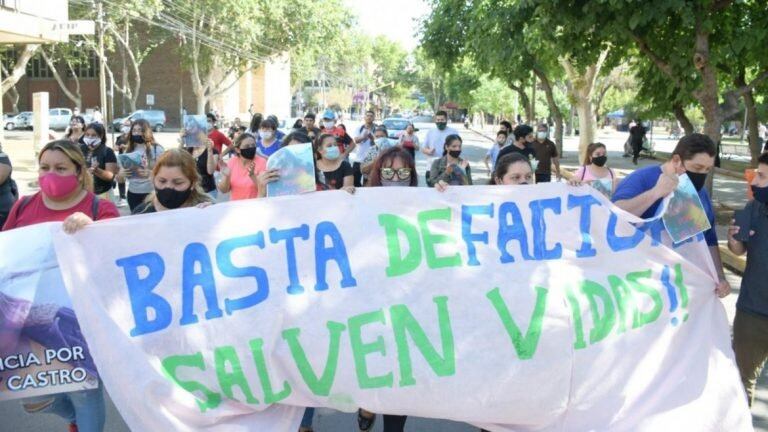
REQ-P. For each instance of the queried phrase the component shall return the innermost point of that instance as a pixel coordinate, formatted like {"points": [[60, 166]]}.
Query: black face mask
{"points": [[455, 153], [171, 198], [760, 194], [600, 160], [248, 153], [138, 139], [698, 179]]}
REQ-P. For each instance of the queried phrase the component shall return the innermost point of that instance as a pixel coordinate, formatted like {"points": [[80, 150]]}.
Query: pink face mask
{"points": [[58, 186]]}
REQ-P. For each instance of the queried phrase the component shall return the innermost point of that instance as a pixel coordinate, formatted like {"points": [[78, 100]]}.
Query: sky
{"points": [[392, 18]]}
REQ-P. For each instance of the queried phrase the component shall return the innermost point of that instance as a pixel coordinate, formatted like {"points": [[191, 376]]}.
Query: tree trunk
{"points": [[13, 96], [533, 105], [73, 95], [126, 98], [582, 88], [201, 101], [586, 125], [524, 100], [685, 122], [599, 101], [19, 69], [749, 103], [755, 149], [554, 110], [708, 95]]}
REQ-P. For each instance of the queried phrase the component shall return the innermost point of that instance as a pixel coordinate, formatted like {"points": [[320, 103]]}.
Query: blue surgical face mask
{"points": [[332, 153]]}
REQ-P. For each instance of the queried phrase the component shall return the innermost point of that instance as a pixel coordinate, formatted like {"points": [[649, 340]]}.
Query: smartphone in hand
{"points": [[743, 219]]}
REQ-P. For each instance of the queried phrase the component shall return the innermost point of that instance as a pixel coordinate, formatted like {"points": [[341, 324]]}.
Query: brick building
{"points": [[264, 89]]}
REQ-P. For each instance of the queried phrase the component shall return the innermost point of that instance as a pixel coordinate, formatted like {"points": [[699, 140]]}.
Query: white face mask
{"points": [[92, 141], [266, 135], [541, 135], [328, 124]]}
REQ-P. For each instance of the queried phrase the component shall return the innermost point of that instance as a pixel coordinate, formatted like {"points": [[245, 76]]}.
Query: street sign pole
{"points": [[102, 79]]}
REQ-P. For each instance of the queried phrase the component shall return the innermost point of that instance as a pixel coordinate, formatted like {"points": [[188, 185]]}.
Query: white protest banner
{"points": [[515, 309], [42, 350]]}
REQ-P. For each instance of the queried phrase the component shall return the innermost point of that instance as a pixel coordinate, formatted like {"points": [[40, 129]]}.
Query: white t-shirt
{"points": [[435, 139], [363, 147]]}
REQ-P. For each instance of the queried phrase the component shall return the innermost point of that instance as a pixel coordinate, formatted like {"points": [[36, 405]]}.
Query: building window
{"points": [[38, 68], [87, 66]]}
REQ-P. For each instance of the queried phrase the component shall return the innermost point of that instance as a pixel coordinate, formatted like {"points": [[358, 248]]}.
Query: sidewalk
{"points": [[730, 192]]}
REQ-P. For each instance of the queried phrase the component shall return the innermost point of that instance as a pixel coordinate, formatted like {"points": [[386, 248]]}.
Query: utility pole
{"points": [[533, 104], [181, 88], [102, 71]]}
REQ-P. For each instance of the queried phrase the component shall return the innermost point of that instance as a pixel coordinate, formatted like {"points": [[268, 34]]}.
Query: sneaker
{"points": [[73, 427], [122, 203]]}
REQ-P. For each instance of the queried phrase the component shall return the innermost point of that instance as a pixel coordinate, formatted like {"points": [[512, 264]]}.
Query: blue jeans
{"points": [[306, 421], [85, 408]]}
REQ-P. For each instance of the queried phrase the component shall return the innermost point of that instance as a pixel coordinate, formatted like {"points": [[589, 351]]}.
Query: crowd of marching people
{"points": [[77, 175]]}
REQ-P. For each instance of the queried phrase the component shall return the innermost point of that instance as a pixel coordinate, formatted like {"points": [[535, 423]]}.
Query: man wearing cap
{"points": [[345, 142]]}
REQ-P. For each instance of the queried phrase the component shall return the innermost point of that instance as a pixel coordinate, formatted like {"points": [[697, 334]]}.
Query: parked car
{"points": [[58, 118], [423, 119], [22, 120], [156, 119], [395, 126]]}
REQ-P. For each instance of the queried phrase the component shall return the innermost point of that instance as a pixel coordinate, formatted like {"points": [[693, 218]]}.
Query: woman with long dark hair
{"points": [[255, 124], [595, 172], [450, 169], [142, 145], [101, 160]]}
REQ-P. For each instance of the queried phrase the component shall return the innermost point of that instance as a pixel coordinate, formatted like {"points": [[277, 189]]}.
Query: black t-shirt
{"points": [[526, 151], [335, 179], [144, 208], [637, 133], [103, 155], [545, 151], [207, 182], [312, 133]]}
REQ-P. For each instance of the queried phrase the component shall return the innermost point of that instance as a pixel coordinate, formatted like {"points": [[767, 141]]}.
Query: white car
{"points": [[21, 121], [59, 118]]}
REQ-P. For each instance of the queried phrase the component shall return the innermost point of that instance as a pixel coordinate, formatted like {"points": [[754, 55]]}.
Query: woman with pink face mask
{"points": [[66, 187]]}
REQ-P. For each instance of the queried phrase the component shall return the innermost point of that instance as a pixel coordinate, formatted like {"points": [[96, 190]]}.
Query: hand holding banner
{"points": [[487, 299]]}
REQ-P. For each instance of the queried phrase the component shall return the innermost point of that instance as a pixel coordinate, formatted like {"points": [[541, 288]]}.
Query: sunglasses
{"points": [[401, 173]]}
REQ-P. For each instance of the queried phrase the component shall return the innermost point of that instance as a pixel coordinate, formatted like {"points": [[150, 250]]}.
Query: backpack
{"points": [[27, 199]]}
